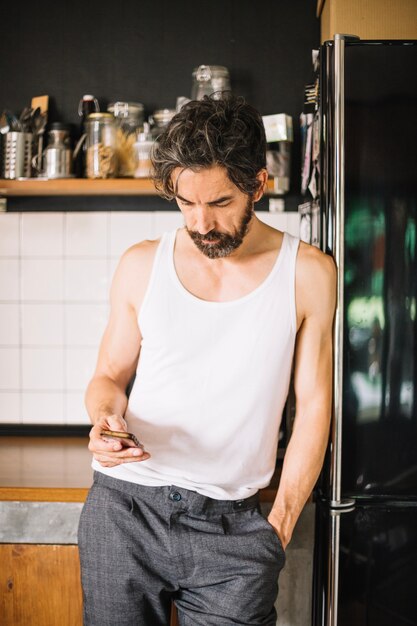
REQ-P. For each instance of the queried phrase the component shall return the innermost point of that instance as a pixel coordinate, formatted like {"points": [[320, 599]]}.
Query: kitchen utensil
{"points": [[35, 113], [17, 154], [25, 119], [9, 122], [4, 123], [42, 102]]}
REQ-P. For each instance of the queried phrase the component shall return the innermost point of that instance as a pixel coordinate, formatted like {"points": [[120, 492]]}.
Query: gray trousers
{"points": [[141, 547]]}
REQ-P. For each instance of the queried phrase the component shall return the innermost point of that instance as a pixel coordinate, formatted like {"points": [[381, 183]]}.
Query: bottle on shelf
{"points": [[87, 105]]}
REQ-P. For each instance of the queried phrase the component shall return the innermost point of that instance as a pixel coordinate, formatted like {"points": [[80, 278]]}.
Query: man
{"points": [[209, 317]]}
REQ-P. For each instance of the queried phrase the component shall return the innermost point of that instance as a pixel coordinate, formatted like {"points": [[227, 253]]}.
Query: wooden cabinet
{"points": [[40, 586]]}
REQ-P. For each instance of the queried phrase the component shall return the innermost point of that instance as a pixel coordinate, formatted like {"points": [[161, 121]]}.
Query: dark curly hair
{"points": [[226, 132]]}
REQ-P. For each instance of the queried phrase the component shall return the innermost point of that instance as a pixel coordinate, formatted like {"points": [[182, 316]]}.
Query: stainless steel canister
{"points": [[17, 155], [56, 159]]}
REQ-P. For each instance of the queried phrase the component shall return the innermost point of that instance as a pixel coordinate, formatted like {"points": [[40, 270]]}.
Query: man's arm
{"points": [[316, 296], [105, 397]]}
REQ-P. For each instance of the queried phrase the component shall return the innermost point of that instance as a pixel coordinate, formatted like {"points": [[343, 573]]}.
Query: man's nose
{"points": [[204, 222]]}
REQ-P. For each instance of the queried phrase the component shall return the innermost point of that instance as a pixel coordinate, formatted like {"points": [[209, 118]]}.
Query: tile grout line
{"points": [[64, 318], [20, 305]]}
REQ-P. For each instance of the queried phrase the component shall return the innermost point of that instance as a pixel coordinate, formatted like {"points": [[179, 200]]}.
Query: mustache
{"points": [[212, 235]]}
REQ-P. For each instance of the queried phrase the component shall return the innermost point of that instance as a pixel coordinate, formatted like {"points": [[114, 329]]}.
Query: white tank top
{"points": [[212, 381]]}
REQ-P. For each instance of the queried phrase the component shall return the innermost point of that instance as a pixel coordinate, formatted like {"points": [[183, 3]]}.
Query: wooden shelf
{"points": [[83, 187], [77, 187]]}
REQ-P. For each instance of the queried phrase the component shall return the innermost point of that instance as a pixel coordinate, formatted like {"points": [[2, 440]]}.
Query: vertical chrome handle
{"points": [[333, 570], [338, 192]]}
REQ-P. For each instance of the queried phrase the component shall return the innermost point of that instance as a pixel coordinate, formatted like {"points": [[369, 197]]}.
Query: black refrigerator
{"points": [[365, 555]]}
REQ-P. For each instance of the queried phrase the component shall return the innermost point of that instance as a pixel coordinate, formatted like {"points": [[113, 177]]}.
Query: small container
{"points": [[56, 159], [210, 79], [143, 148], [159, 120], [101, 146], [17, 155], [129, 122], [87, 105], [128, 115]]}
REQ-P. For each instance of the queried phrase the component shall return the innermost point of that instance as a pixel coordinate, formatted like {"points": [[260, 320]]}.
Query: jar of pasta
{"points": [[101, 146], [129, 121]]}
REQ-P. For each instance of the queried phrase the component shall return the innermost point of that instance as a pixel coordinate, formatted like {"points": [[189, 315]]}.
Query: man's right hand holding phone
{"points": [[110, 450]]}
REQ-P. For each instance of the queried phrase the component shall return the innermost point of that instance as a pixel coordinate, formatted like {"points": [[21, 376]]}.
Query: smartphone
{"points": [[129, 438]]}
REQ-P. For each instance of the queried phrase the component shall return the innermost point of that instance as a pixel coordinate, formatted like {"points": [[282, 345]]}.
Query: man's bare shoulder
{"points": [[140, 252], [315, 280], [313, 261], [133, 271]]}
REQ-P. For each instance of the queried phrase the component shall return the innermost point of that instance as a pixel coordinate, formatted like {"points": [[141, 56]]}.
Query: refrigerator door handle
{"points": [[333, 566], [333, 570], [338, 201]]}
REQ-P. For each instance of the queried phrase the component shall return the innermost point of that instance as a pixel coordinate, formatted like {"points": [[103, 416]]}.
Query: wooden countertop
{"points": [[56, 469]]}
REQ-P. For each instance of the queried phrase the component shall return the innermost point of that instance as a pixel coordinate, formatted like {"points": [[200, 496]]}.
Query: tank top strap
{"points": [[289, 249], [158, 272]]}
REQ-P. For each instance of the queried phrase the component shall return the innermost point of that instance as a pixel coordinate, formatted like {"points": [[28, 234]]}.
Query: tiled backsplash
{"points": [[55, 274]]}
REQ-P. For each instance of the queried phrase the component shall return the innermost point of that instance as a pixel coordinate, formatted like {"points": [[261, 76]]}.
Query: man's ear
{"points": [[262, 177]]}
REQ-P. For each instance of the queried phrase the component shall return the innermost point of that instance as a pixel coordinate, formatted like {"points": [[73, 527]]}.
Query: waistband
{"points": [[181, 498]]}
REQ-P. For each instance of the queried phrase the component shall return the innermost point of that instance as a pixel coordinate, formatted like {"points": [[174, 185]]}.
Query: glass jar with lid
{"points": [[159, 120], [210, 79], [143, 149], [101, 146], [129, 122]]}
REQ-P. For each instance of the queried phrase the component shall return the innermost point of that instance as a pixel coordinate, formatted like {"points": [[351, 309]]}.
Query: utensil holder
{"points": [[17, 155]]}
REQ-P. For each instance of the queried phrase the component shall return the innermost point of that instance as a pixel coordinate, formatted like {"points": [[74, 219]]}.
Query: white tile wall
{"points": [[10, 407], [85, 324], [80, 366], [55, 273], [75, 411], [9, 235], [42, 324], [42, 234], [42, 408], [86, 234], [128, 228], [42, 369], [9, 279], [165, 221], [9, 325], [42, 279], [10, 369], [86, 280]]}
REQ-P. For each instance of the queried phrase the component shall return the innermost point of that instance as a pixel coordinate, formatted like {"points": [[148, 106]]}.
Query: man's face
{"points": [[216, 213]]}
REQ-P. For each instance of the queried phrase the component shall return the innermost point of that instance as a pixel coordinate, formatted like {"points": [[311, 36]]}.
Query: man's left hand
{"points": [[277, 524]]}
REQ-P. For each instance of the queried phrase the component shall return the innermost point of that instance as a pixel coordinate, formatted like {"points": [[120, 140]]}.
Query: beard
{"points": [[225, 243]]}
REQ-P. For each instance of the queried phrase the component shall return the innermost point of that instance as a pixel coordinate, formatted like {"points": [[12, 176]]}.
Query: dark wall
{"points": [[146, 50]]}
